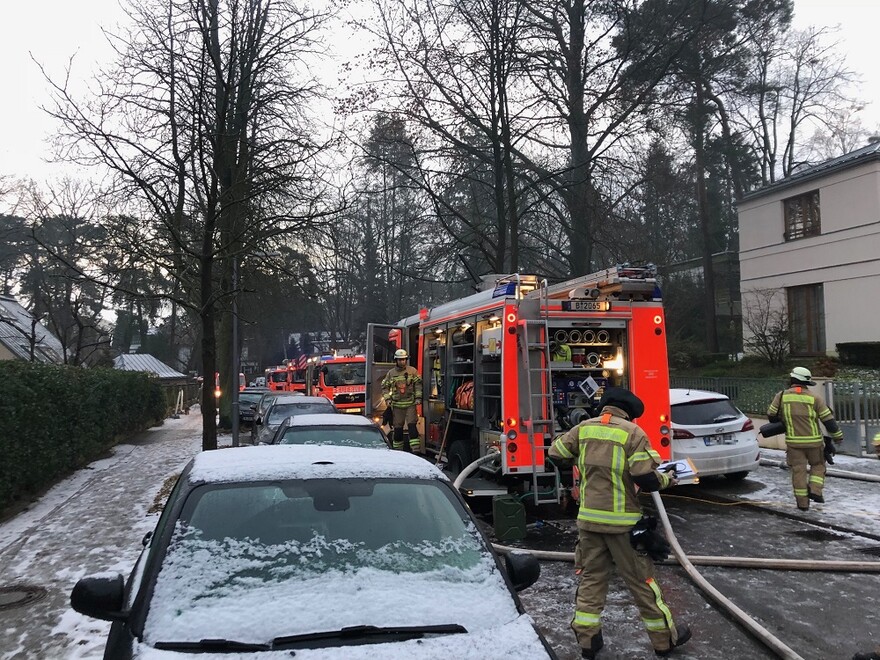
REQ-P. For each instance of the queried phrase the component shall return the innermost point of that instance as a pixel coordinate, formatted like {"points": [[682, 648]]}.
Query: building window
{"points": [[806, 318], [802, 216]]}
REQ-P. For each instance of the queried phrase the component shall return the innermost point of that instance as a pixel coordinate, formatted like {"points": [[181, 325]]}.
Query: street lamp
{"points": [[236, 361]]}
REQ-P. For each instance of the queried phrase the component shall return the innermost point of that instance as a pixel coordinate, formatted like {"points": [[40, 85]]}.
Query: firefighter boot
{"points": [[816, 498], [684, 634], [596, 644], [397, 442], [414, 441]]}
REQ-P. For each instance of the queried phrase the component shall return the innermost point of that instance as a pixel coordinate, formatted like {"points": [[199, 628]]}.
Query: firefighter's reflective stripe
{"points": [[649, 455], [617, 515], [800, 492], [562, 449], [601, 517], [587, 619], [595, 432], [658, 598], [655, 624], [816, 479], [790, 402]]}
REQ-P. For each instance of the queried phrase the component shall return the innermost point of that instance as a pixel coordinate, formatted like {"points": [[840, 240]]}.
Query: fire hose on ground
{"points": [[757, 630], [831, 472]]}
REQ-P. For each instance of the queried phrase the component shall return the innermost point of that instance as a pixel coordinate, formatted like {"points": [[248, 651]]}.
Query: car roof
{"points": [[269, 462], [329, 419], [301, 398], [681, 395]]}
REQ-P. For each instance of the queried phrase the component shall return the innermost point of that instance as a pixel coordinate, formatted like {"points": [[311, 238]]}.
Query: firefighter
{"points": [[402, 389], [614, 456], [800, 412]]}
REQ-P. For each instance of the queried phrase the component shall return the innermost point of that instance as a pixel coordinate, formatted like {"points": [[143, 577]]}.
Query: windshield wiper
{"points": [[355, 635], [724, 418], [215, 645]]}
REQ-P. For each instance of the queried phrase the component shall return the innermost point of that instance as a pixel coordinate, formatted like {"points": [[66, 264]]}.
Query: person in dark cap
{"points": [[801, 411], [614, 456]]}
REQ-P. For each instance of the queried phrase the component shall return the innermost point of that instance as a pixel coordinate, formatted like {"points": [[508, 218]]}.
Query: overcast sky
{"points": [[53, 30]]}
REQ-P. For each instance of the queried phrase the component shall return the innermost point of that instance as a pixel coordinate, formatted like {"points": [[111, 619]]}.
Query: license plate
{"points": [[722, 439], [353, 410], [585, 305]]}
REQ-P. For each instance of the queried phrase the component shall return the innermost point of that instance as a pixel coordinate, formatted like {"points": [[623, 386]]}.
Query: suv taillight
{"points": [[681, 434], [748, 426]]}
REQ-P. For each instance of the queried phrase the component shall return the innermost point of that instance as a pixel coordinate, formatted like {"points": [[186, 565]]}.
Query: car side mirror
{"points": [[253, 406], [100, 598], [146, 540], [522, 569]]}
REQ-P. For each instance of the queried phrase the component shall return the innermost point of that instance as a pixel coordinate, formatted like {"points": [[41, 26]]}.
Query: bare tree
{"points": [[767, 332], [202, 123]]}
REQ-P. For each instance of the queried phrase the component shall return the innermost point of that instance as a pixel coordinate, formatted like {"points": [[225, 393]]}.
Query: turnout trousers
{"points": [[807, 470], [407, 416], [596, 554]]}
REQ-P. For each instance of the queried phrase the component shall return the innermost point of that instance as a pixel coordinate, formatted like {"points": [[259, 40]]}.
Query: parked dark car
{"points": [[247, 400], [316, 552], [263, 405], [282, 408], [343, 429]]}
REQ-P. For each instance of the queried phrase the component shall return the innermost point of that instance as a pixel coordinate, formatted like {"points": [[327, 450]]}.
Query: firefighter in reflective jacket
{"points": [[800, 412], [613, 456], [402, 389]]}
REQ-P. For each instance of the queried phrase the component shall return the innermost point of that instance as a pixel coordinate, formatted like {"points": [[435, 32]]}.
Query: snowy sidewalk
{"points": [[91, 522]]}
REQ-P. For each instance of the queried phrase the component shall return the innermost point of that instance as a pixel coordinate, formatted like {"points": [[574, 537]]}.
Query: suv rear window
{"points": [[698, 413]]}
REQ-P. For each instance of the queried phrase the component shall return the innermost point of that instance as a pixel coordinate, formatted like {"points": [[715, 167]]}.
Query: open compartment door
{"points": [[382, 341]]}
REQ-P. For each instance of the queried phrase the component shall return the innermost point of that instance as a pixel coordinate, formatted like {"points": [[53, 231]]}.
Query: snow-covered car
{"points": [[343, 429], [318, 552], [708, 429]]}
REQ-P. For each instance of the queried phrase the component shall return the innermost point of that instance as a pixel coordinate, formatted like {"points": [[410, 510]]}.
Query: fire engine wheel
{"points": [[458, 457]]}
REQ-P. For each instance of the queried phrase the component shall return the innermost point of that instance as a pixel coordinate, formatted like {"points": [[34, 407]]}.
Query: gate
{"points": [[856, 407]]}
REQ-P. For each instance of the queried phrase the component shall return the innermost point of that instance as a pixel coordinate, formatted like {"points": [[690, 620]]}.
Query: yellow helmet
{"points": [[401, 354]]}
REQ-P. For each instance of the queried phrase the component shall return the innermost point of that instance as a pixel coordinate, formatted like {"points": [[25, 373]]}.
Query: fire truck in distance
{"points": [[507, 369], [340, 378], [286, 378]]}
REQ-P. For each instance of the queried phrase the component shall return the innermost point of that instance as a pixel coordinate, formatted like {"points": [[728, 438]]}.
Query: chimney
{"points": [[873, 139]]}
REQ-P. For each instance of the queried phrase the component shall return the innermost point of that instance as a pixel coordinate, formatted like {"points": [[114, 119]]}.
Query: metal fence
{"points": [[856, 405]]}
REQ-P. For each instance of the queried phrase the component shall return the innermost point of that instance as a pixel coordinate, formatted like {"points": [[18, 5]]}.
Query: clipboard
{"points": [[685, 471]]}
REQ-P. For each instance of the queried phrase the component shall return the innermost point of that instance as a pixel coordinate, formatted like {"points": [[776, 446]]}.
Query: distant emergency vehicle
{"points": [[342, 379], [508, 368]]}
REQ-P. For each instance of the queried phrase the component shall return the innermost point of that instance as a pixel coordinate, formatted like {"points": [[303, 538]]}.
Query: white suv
{"points": [[708, 429]]}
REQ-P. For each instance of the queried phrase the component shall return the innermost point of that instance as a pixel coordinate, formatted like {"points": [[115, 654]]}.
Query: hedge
{"points": [[863, 353], [58, 419]]}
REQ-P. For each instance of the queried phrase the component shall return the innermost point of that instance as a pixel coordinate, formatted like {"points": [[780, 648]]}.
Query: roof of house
{"points": [[18, 327], [147, 363], [852, 159]]}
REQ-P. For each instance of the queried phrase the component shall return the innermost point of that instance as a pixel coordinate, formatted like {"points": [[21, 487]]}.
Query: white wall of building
{"points": [[845, 258]]}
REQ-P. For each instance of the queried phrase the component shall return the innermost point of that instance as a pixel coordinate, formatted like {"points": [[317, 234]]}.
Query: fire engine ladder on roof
{"points": [[535, 359]]}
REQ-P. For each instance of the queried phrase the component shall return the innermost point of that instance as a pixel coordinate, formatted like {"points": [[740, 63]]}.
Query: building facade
{"points": [[810, 253]]}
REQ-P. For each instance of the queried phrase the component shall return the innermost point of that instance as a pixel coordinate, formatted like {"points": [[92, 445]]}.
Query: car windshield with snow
{"points": [[713, 433], [280, 549]]}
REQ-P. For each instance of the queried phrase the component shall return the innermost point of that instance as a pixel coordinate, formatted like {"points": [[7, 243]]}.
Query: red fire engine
{"points": [[510, 367], [286, 378], [342, 380]]}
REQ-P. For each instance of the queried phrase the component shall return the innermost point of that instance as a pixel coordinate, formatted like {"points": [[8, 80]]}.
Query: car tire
{"points": [[736, 476], [458, 458]]}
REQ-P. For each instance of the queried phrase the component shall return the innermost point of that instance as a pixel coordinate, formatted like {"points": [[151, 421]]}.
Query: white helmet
{"points": [[400, 354], [802, 375]]}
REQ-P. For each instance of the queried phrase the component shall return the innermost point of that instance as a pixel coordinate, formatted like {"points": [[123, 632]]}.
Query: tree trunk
{"points": [[705, 233]]}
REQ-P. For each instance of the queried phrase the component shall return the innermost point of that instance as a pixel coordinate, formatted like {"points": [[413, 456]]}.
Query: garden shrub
{"points": [[59, 418]]}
